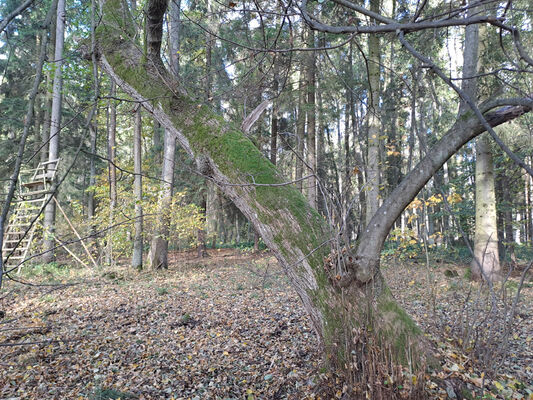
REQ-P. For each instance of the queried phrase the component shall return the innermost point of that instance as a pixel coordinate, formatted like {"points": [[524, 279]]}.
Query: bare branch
{"points": [[468, 100], [14, 14], [390, 25]]}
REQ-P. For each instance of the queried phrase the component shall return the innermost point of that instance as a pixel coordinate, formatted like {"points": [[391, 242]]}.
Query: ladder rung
{"points": [[16, 257], [16, 240], [17, 233], [24, 216], [50, 161], [20, 247], [35, 193], [29, 201], [26, 224], [33, 183]]}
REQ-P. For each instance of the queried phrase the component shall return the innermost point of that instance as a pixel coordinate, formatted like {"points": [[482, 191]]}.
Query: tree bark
{"points": [[374, 141], [137, 257], [158, 254], [300, 133], [343, 293], [112, 169], [55, 129], [486, 261], [175, 37], [311, 119]]}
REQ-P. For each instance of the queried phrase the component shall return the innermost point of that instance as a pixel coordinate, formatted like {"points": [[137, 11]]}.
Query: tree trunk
{"points": [[37, 129], [175, 37], [311, 119], [486, 261], [344, 293], [55, 129], [374, 141], [158, 255], [137, 257], [300, 133], [112, 169], [274, 123], [212, 213]]}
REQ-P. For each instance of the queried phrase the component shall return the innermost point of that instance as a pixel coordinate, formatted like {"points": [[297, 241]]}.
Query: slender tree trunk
{"points": [[374, 141], [45, 133], [112, 170], [91, 202], [201, 246], [300, 133], [55, 129], [209, 42], [137, 257], [486, 262], [157, 147], [321, 152], [213, 212], [311, 119], [38, 128], [274, 121], [158, 255], [174, 36], [486, 250]]}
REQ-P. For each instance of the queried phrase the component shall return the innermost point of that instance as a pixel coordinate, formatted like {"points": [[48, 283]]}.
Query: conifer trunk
{"points": [[55, 129], [137, 257]]}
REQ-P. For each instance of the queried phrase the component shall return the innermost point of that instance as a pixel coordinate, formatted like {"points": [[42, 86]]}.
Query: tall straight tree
{"points": [[373, 122], [55, 129], [300, 129], [93, 128], [112, 169], [158, 255], [486, 261], [310, 73], [137, 257]]}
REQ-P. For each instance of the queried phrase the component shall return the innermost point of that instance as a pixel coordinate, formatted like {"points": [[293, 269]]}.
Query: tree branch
{"points": [[14, 14], [390, 25]]}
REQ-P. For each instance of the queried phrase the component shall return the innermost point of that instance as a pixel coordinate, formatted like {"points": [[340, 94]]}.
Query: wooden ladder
{"points": [[33, 191]]}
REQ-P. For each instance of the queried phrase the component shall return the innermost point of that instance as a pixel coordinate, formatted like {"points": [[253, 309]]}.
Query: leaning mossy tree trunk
{"points": [[350, 307]]}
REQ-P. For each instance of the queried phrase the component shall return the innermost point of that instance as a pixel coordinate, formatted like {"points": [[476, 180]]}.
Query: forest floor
{"points": [[230, 327]]}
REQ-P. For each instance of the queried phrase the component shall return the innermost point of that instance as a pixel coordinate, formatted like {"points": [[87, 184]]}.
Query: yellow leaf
{"points": [[498, 385], [226, 353]]}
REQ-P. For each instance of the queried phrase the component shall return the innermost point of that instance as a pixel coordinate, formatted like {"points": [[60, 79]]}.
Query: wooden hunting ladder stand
{"points": [[34, 190]]}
